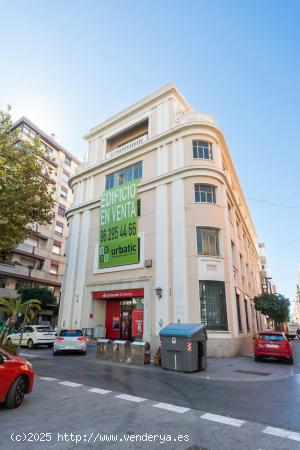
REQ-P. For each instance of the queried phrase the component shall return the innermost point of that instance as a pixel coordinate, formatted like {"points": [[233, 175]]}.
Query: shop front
{"points": [[124, 318]]}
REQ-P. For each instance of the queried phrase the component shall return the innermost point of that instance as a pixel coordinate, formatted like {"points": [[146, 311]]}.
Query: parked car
{"points": [[273, 344], [33, 335], [17, 376], [290, 330], [70, 339]]}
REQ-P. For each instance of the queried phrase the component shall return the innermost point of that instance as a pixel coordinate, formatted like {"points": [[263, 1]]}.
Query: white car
{"points": [[70, 339], [33, 335]]}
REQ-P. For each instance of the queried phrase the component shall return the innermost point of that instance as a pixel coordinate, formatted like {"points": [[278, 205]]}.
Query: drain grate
{"points": [[251, 372]]}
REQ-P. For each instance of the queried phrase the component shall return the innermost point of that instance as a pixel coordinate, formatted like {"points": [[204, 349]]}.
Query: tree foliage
{"points": [[275, 306], [43, 294], [25, 195], [14, 307]]}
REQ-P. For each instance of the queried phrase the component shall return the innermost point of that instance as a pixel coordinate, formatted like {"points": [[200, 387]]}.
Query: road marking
{"points": [[48, 378], [169, 407], [98, 391], [282, 433], [131, 398], [70, 383], [222, 419], [29, 355]]}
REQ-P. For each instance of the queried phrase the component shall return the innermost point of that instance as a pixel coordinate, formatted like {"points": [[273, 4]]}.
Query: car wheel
{"points": [[291, 361], [84, 353], [16, 393], [30, 344], [9, 341], [54, 353], [50, 345], [257, 358]]}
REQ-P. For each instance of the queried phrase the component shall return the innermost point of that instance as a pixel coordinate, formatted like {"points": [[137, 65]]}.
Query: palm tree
{"points": [[14, 307]]}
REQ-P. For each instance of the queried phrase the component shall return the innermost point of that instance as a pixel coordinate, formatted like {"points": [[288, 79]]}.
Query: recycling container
{"points": [[121, 351], [104, 349], [140, 352]]}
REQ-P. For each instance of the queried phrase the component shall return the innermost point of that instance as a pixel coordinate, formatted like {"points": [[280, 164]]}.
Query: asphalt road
{"points": [[276, 403], [89, 398]]}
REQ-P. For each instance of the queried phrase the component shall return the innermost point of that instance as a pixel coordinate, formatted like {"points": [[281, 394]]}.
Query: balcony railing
{"points": [[126, 147]]}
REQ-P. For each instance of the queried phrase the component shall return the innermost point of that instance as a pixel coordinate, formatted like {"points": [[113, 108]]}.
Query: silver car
{"points": [[70, 339]]}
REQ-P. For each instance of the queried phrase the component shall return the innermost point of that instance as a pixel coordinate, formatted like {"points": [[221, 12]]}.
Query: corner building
{"points": [[198, 254]]}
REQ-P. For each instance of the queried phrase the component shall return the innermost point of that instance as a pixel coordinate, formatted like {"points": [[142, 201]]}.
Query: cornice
{"points": [[145, 147]]}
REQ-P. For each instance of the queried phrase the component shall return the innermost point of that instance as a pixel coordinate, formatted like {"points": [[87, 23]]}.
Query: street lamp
{"points": [[158, 292]]}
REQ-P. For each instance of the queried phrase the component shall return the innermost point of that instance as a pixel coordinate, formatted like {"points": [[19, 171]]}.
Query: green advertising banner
{"points": [[119, 226]]}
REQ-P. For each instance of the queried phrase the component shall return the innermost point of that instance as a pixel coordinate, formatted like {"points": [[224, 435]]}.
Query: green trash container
{"points": [[183, 347]]}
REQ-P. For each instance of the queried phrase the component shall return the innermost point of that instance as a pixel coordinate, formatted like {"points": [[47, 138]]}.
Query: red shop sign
{"points": [[118, 294]]}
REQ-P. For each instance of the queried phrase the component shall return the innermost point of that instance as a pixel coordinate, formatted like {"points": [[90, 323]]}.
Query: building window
{"points": [[65, 176], [208, 241], [64, 192], [2, 282], [56, 247], [238, 309], [29, 132], [246, 314], [130, 173], [205, 193], [39, 264], [67, 161], [61, 210], [202, 150], [59, 227], [213, 305], [31, 241], [54, 268], [20, 284]]}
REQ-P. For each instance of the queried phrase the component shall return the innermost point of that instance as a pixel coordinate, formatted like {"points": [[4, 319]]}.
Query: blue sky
{"points": [[67, 65]]}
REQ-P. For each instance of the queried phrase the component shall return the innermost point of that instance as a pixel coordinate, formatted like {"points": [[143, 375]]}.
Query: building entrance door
{"points": [[113, 319]]}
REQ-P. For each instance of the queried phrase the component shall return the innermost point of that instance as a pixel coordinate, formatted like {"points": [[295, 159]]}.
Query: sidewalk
{"points": [[242, 368]]}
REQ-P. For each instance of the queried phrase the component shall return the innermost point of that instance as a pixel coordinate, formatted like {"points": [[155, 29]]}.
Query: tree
{"points": [[25, 195], [15, 307], [43, 294], [274, 306]]}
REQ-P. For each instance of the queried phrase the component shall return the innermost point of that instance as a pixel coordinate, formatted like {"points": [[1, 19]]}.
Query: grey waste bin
{"points": [[121, 351], [183, 347], [104, 349], [140, 352]]}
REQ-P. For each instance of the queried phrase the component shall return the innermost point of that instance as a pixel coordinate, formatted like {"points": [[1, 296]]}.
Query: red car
{"points": [[274, 344], [16, 379]]}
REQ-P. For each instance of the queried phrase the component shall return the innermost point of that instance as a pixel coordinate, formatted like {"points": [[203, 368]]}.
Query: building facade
{"points": [[39, 261], [198, 254], [296, 310]]}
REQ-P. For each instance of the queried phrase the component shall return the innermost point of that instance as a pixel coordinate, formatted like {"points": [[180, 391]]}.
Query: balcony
{"points": [[126, 147]]}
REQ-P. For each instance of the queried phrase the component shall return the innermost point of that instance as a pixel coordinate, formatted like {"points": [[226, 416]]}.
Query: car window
{"points": [[43, 329], [271, 337], [28, 330], [70, 333]]}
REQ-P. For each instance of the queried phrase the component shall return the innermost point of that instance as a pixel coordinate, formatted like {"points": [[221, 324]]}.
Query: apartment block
{"points": [[39, 261], [197, 255]]}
